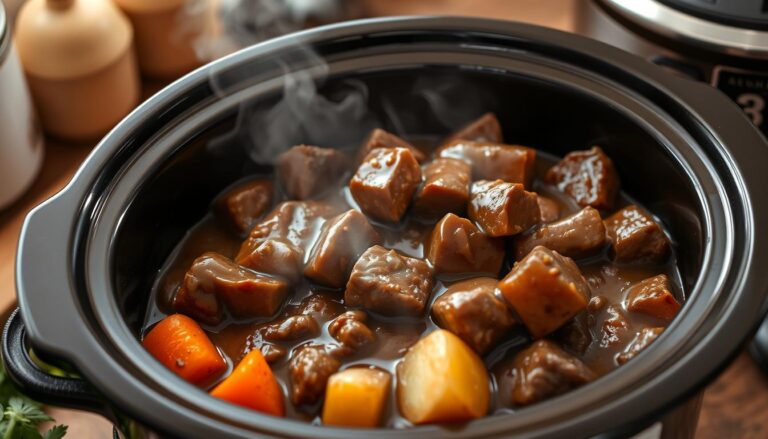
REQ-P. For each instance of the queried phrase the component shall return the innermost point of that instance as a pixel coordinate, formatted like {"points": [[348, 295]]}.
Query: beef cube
{"points": [[383, 139], [653, 296], [320, 306], [244, 292], [491, 161], [546, 290], [199, 303], [588, 177], [544, 370], [576, 336], [579, 235], [615, 327], [471, 310], [486, 128], [641, 341], [309, 370], [445, 189], [342, 240], [548, 209], [386, 282], [291, 328], [385, 183], [350, 330], [296, 224], [457, 246], [635, 237], [243, 205], [274, 256], [272, 353], [308, 171], [501, 208]]}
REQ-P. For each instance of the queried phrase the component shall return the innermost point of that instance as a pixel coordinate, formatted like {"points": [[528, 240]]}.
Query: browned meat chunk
{"points": [[199, 303], [309, 369], [615, 327], [576, 335], [588, 177], [383, 139], [386, 282], [549, 209], [291, 328], [245, 293], [501, 208], [636, 237], [320, 306], [641, 341], [597, 304], [275, 256], [244, 204], [273, 353], [457, 246], [350, 330], [445, 189], [579, 235], [342, 240], [471, 310], [544, 370], [653, 296], [486, 128], [546, 290], [307, 171], [491, 161], [385, 183], [295, 223]]}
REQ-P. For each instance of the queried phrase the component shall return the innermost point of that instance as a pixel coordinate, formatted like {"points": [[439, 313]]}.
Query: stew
{"points": [[404, 284]]}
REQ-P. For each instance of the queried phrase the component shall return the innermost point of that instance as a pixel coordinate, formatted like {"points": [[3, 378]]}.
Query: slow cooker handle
{"points": [[40, 385]]}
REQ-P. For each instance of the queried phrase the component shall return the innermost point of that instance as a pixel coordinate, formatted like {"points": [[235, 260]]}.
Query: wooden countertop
{"points": [[736, 405]]}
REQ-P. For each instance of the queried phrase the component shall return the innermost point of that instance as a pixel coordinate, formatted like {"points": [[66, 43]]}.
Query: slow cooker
{"points": [[88, 256], [724, 43]]}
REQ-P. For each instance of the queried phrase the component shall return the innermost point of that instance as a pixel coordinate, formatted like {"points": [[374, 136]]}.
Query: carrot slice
{"points": [[181, 345], [252, 385]]}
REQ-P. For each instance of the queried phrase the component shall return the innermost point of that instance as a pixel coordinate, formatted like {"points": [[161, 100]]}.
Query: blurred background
{"points": [[71, 69]]}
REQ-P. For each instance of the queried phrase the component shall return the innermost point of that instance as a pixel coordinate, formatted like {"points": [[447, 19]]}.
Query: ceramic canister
{"points": [[21, 143], [80, 66]]}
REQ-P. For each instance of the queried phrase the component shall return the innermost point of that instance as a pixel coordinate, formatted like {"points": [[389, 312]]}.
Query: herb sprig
{"points": [[21, 415]]}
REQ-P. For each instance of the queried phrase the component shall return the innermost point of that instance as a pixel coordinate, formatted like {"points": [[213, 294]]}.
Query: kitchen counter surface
{"points": [[735, 405]]}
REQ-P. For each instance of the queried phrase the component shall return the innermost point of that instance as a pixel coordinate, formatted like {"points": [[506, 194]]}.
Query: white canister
{"points": [[21, 141]]}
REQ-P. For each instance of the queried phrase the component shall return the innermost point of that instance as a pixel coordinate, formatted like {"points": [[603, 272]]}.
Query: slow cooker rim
{"points": [[102, 150], [657, 17]]}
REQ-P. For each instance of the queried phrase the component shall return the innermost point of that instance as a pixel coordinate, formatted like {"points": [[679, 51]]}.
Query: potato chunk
{"points": [[356, 397], [385, 183], [457, 246], [653, 296], [441, 379], [501, 208], [546, 290]]}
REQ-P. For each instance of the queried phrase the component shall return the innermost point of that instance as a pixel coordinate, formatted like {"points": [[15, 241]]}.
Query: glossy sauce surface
{"points": [[395, 335]]}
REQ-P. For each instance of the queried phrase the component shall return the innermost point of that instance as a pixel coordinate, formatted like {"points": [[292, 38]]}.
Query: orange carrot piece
{"points": [[181, 345], [252, 385]]}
